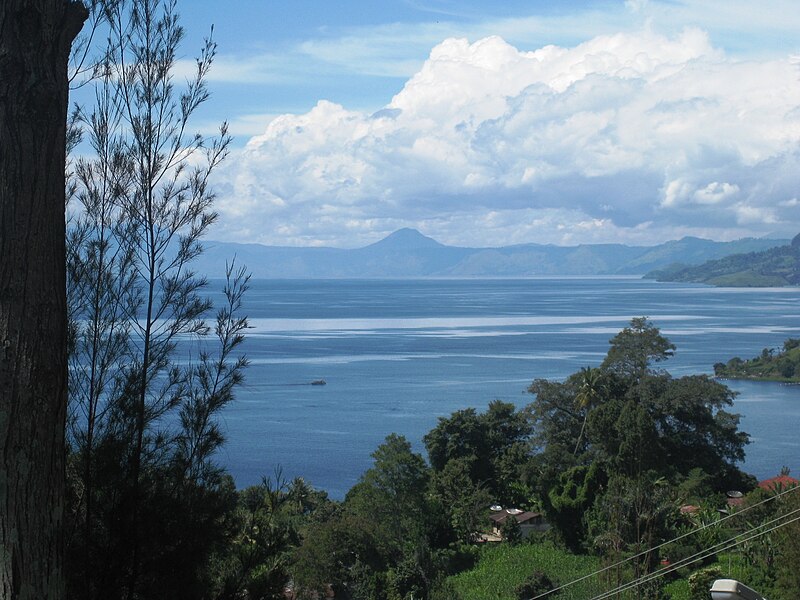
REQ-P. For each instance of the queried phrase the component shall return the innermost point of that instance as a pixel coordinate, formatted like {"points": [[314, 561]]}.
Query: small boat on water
{"points": [[318, 382]]}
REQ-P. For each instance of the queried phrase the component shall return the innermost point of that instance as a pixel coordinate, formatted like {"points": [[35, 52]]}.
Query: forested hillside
{"points": [[774, 267], [769, 365], [609, 457]]}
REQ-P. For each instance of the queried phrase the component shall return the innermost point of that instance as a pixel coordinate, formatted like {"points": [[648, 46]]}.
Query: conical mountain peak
{"points": [[407, 239]]}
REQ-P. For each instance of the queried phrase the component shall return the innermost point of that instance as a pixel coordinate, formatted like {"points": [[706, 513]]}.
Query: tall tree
{"points": [[143, 431], [167, 209], [628, 419], [589, 394], [634, 349], [99, 273], [35, 41]]}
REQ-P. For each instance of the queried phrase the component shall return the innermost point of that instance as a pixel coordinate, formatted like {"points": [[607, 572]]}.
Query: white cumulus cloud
{"points": [[615, 136]]}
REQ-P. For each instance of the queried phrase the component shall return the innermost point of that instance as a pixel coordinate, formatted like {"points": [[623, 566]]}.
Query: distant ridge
{"points": [[408, 253], [774, 267]]}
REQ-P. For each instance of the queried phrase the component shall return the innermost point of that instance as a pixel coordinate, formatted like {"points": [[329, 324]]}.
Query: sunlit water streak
{"points": [[396, 355]]}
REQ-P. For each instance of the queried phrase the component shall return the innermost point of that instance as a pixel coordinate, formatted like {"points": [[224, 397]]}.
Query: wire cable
{"points": [[672, 541], [702, 555]]}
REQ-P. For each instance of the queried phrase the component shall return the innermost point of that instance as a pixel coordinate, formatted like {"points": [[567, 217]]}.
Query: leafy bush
{"points": [[536, 584], [701, 581]]}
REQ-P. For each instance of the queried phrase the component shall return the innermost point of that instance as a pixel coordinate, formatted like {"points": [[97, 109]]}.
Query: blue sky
{"points": [[283, 57], [487, 124]]}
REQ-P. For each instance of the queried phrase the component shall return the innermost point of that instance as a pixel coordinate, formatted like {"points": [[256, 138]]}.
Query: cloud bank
{"points": [[633, 137]]}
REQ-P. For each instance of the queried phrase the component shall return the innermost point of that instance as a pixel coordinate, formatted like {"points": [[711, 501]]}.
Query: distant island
{"points": [[773, 267], [783, 366], [407, 253]]}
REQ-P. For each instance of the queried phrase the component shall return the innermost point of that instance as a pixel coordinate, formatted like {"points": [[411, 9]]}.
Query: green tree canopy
{"points": [[459, 436], [393, 494], [379, 540], [495, 446], [636, 347], [628, 419]]}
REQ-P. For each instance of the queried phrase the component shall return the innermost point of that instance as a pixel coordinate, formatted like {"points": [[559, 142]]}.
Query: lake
{"points": [[397, 354]]}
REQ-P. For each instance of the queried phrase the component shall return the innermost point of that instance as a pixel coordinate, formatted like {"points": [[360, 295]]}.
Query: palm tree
{"points": [[590, 393]]}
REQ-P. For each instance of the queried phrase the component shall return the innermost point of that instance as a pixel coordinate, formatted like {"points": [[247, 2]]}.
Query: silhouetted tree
{"points": [[149, 502]]}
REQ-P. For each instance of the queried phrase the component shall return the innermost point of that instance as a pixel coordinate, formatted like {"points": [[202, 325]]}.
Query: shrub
{"points": [[700, 582], [536, 584]]}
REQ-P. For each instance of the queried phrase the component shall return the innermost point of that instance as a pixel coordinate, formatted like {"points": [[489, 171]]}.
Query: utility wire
{"points": [[696, 558], [680, 537]]}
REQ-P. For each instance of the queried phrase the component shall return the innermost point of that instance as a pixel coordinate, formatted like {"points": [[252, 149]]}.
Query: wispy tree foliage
{"points": [[148, 499]]}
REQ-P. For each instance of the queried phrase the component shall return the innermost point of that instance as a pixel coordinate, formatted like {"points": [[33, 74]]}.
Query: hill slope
{"points": [[783, 366], [774, 267]]}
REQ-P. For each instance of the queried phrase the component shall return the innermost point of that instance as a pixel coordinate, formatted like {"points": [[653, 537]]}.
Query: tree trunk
{"points": [[35, 39]]}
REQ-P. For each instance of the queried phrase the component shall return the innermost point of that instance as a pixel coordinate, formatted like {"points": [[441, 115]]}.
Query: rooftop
{"points": [[781, 481]]}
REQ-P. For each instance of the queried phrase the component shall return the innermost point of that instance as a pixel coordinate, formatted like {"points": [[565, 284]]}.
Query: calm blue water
{"points": [[396, 355]]}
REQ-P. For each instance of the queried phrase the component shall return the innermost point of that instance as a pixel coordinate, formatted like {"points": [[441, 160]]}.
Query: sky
{"points": [[489, 124]]}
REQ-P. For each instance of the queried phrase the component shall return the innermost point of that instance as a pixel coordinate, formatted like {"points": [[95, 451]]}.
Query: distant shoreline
{"points": [[793, 381]]}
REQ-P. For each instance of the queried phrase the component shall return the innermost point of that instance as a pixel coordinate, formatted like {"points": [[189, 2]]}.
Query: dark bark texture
{"points": [[35, 39]]}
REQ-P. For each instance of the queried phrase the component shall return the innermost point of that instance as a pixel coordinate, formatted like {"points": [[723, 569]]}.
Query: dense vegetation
{"points": [[775, 267], [608, 455], [770, 365]]}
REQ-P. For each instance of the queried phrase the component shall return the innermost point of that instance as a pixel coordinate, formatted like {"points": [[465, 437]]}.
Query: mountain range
{"points": [[773, 267], [408, 253]]}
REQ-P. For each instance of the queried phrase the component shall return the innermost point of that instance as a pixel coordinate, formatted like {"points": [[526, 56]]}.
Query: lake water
{"points": [[398, 354]]}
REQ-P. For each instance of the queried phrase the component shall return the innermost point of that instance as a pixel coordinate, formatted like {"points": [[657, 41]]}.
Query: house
{"points": [[778, 484], [528, 521]]}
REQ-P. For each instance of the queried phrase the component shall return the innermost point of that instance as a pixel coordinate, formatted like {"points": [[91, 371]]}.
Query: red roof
{"points": [[781, 481]]}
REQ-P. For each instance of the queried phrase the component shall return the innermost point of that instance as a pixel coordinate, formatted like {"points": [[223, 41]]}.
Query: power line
{"points": [[680, 537], [703, 554]]}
